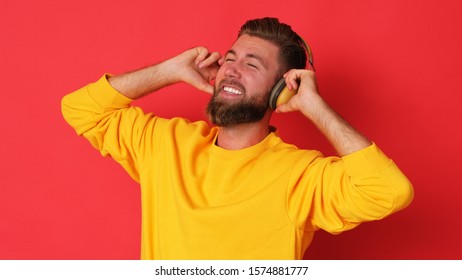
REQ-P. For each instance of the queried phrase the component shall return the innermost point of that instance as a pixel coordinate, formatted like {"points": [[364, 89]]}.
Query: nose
{"points": [[232, 70]]}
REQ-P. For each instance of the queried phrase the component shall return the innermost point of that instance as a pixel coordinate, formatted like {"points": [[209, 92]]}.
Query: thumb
{"points": [[205, 87], [281, 108]]}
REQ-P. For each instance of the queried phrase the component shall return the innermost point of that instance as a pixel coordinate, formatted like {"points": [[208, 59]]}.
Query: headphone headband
{"points": [[308, 51]]}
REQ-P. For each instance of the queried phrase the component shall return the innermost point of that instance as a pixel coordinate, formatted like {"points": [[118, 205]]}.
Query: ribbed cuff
{"points": [[106, 96]]}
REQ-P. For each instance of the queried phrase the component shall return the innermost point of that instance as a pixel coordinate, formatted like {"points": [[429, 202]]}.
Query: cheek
{"points": [[220, 74], [264, 84]]}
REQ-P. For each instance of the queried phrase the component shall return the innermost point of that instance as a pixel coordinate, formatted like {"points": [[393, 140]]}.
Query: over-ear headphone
{"points": [[280, 94]]}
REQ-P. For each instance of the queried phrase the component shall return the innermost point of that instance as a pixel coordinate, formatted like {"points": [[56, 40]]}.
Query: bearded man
{"points": [[236, 190]]}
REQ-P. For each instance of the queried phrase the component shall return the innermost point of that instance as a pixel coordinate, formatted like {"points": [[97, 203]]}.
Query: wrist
{"points": [[315, 108], [170, 69]]}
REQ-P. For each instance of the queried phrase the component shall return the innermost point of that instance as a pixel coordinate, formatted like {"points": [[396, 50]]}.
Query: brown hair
{"points": [[291, 45]]}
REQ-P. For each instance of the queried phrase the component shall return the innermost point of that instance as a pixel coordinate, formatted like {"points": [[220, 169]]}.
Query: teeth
{"points": [[232, 90]]}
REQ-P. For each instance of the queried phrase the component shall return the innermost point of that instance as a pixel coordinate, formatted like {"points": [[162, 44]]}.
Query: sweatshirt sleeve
{"points": [[105, 118], [340, 193]]}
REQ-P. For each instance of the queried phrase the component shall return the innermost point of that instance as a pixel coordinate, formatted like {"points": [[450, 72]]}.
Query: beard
{"points": [[247, 110]]}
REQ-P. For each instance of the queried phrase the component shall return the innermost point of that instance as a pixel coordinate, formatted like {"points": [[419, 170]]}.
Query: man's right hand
{"points": [[196, 66]]}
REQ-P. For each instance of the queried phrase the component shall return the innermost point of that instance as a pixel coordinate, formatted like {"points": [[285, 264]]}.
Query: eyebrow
{"points": [[250, 55]]}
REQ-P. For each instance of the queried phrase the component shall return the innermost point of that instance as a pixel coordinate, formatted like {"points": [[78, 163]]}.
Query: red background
{"points": [[389, 67]]}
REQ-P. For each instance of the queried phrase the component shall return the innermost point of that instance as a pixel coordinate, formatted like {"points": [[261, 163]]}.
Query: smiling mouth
{"points": [[232, 90]]}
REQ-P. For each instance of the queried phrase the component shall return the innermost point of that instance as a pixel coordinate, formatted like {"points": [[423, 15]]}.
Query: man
{"points": [[236, 190]]}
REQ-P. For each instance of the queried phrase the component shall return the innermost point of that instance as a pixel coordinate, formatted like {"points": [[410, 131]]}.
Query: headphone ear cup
{"points": [[280, 94], [277, 89]]}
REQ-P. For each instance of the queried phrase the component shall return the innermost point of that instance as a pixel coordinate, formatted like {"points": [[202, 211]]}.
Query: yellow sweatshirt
{"points": [[200, 201]]}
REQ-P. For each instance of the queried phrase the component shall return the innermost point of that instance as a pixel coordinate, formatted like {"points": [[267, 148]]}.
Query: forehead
{"points": [[247, 45]]}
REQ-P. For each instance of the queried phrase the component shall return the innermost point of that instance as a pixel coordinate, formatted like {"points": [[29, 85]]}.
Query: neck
{"points": [[241, 136], [244, 135]]}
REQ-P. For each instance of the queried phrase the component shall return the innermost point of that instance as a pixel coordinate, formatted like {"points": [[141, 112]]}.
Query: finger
{"points": [[211, 59], [283, 108], [205, 87], [288, 73], [202, 53], [221, 61], [292, 78]]}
